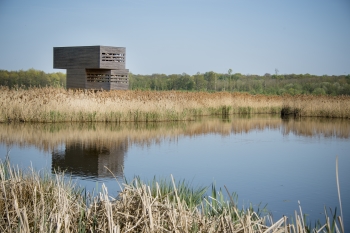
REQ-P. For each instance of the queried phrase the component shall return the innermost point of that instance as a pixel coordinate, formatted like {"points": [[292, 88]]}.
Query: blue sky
{"points": [[176, 36]]}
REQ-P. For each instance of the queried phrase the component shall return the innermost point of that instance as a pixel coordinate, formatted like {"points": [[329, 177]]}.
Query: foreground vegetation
{"points": [[38, 202], [59, 105]]}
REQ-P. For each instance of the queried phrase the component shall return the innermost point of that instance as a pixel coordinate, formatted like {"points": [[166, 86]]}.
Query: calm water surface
{"points": [[263, 159]]}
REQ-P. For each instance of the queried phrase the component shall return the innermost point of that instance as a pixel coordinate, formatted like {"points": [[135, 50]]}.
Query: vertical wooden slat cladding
{"points": [[76, 78]]}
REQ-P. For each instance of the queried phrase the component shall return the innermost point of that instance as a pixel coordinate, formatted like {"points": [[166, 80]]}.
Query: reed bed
{"points": [[60, 105], [37, 202]]}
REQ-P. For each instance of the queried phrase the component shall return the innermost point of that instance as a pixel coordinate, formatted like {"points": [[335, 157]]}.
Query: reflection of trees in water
{"points": [[47, 137], [89, 147], [86, 159]]}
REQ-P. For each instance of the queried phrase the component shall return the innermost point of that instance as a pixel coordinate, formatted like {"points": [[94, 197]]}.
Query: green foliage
{"points": [[31, 78], [200, 84], [275, 84], [193, 197]]}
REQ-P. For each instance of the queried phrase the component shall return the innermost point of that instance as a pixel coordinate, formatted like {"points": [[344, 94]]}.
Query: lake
{"points": [[263, 158]]}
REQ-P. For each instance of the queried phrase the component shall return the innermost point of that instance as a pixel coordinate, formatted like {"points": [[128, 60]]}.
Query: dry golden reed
{"points": [[60, 105], [35, 202]]}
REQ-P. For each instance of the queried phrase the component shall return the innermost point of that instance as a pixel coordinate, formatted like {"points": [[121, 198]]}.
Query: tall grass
{"points": [[59, 105], [38, 202]]}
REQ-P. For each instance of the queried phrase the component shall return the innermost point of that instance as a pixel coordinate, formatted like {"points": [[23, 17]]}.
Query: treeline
{"points": [[31, 78], [275, 84]]}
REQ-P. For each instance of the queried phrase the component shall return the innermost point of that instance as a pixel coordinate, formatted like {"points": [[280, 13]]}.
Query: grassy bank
{"points": [[38, 202], [60, 105]]}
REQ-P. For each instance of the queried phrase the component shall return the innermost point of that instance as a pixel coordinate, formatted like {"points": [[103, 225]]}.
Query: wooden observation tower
{"points": [[93, 67]]}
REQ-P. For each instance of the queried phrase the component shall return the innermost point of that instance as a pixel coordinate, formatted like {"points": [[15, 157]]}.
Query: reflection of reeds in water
{"points": [[59, 105], [317, 126], [98, 135]]}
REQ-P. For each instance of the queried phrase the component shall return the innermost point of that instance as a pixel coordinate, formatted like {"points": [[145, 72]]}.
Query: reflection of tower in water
{"points": [[91, 159]]}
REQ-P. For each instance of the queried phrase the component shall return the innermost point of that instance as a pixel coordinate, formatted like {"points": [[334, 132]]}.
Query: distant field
{"points": [[59, 105]]}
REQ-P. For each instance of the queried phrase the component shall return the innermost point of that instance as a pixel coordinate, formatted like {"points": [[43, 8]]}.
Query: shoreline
{"points": [[59, 105]]}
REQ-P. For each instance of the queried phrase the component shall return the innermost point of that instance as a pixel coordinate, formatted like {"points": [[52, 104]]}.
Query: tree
{"points": [[235, 77], [200, 84], [172, 82], [210, 77], [229, 72]]}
